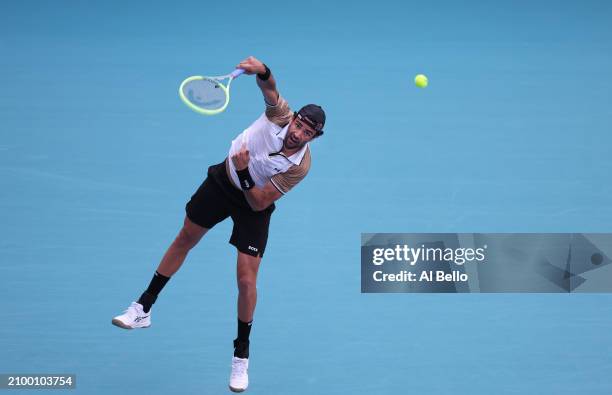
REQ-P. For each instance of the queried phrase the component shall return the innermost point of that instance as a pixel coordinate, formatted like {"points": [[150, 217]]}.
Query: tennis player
{"points": [[264, 162]]}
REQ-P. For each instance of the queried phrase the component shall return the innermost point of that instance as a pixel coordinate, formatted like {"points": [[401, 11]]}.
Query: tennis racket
{"points": [[207, 95]]}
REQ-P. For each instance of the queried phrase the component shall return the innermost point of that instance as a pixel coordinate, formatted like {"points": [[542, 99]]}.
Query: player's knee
{"points": [[246, 283], [186, 239]]}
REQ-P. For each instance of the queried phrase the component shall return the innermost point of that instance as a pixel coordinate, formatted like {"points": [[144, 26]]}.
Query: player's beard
{"points": [[292, 143]]}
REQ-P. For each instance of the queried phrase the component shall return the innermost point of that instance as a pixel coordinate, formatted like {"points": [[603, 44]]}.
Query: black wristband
{"points": [[246, 181], [266, 75]]}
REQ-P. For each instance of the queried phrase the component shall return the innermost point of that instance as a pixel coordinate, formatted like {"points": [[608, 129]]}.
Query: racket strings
{"points": [[205, 94]]}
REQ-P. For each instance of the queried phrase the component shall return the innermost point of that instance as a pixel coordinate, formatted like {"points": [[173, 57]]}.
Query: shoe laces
{"points": [[238, 368], [132, 311]]}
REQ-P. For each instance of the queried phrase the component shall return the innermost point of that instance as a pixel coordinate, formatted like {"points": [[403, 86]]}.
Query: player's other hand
{"points": [[241, 158], [251, 65]]}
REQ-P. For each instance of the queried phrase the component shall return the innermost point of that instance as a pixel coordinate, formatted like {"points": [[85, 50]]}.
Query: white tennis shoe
{"points": [[239, 379], [132, 318]]}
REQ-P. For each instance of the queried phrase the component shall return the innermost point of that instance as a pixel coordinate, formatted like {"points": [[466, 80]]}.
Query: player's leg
{"points": [[206, 208], [250, 236], [246, 276], [187, 238], [138, 314]]}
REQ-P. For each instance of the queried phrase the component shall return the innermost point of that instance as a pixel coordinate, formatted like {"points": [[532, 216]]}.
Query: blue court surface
{"points": [[98, 157]]}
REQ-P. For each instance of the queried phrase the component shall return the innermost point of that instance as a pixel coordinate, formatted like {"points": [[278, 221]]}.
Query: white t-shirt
{"points": [[264, 140]]}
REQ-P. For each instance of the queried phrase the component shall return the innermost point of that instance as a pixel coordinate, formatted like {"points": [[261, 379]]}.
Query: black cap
{"points": [[314, 116]]}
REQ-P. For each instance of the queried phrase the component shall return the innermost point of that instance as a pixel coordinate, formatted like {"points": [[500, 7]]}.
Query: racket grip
{"points": [[236, 73]]}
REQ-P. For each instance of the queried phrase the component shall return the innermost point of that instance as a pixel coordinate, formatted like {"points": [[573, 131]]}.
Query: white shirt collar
{"points": [[296, 158]]}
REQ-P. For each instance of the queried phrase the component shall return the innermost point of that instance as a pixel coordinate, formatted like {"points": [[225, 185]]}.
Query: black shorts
{"points": [[216, 199]]}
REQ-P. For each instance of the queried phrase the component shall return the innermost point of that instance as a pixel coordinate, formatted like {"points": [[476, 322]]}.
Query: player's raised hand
{"points": [[251, 65]]}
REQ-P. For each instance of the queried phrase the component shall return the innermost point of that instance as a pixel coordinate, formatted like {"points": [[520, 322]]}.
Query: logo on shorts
{"points": [[252, 248]]}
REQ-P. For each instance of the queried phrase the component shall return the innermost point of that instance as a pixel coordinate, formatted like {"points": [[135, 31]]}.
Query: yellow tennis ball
{"points": [[421, 81]]}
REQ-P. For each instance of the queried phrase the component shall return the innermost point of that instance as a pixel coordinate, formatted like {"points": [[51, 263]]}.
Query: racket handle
{"points": [[236, 73]]}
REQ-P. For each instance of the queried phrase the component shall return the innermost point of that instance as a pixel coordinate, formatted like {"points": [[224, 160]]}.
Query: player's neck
{"points": [[288, 152]]}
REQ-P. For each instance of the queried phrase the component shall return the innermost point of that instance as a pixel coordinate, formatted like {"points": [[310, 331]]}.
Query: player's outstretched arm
{"points": [[252, 65]]}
